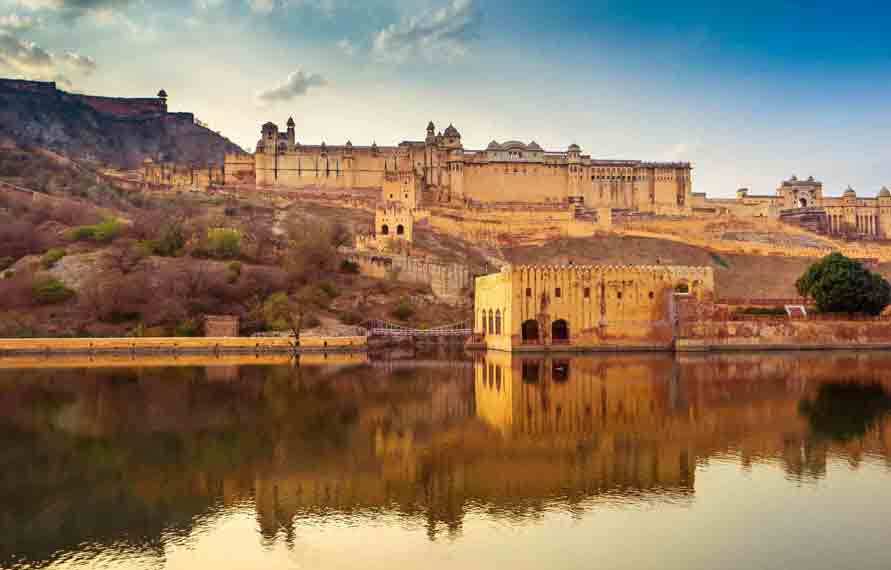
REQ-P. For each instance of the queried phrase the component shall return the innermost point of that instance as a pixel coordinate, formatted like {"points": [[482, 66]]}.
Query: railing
{"points": [[387, 329]]}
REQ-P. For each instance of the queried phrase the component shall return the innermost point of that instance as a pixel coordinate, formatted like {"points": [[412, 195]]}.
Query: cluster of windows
{"points": [[385, 230], [586, 293], [490, 322], [492, 376]]}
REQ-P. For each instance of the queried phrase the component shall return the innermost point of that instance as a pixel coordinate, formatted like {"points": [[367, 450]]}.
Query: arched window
{"points": [[560, 331], [491, 322], [400, 230], [385, 229], [498, 321], [483, 321], [530, 331]]}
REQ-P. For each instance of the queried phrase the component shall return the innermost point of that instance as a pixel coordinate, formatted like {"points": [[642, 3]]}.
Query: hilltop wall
{"points": [[125, 108]]}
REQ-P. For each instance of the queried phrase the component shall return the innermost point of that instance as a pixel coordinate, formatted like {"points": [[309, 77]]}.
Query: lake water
{"points": [[434, 461]]}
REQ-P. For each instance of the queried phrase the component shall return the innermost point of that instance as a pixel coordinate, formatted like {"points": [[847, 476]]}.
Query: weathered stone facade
{"points": [[802, 202], [503, 172], [583, 307]]}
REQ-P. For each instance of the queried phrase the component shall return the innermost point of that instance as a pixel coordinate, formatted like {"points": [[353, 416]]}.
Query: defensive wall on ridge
{"points": [[449, 281]]}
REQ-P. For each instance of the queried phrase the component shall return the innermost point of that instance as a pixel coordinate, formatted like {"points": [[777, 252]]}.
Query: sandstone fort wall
{"points": [[448, 281]]}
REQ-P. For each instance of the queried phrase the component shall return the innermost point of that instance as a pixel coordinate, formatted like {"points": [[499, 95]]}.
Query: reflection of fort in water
{"points": [[512, 435]]}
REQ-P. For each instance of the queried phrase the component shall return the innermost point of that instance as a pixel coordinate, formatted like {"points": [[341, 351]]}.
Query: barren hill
{"points": [[119, 131]]}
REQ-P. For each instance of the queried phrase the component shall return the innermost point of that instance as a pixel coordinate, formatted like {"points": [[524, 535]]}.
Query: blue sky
{"points": [[749, 92]]}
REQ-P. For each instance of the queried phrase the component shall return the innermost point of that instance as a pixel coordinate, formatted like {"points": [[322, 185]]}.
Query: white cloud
{"points": [[75, 8], [327, 7], [18, 22], [21, 58], [347, 47], [204, 5], [82, 63], [443, 32], [298, 83]]}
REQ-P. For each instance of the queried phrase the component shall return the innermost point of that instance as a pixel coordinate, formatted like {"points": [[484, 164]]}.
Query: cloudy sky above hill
{"points": [[750, 92]]}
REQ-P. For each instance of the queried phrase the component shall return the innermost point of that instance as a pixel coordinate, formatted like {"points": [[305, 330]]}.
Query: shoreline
{"points": [[181, 345]]}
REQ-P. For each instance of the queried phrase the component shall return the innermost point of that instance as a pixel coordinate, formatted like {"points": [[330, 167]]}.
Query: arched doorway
{"points": [[400, 230], [531, 372], [802, 202], [530, 331], [560, 331], [385, 229], [498, 321]]}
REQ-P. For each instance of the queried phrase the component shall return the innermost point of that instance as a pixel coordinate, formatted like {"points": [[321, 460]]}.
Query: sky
{"points": [[749, 92]]}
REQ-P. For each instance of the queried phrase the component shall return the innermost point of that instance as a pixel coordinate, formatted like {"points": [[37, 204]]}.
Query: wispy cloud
{"points": [[18, 22], [297, 84], [75, 8], [327, 7], [444, 32], [25, 59], [347, 47]]}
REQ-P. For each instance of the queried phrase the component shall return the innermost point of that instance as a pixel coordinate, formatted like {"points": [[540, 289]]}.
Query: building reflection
{"points": [[133, 454]]}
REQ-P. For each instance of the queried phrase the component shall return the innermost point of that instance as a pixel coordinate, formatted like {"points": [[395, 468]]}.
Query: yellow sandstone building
{"points": [[583, 307], [502, 172]]}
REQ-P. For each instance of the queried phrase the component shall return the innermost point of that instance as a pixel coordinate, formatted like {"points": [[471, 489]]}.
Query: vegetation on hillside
{"points": [[101, 261]]}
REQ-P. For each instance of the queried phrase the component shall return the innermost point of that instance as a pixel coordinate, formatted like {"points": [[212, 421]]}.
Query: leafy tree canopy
{"points": [[838, 284]]}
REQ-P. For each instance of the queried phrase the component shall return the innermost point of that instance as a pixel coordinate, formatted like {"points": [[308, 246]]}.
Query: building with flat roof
{"points": [[583, 307]]}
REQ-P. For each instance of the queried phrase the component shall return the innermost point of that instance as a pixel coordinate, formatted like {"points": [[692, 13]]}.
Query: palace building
{"points": [[803, 202], [502, 172], [579, 307]]}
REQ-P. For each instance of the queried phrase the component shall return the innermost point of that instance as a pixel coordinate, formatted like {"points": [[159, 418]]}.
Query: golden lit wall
{"points": [[535, 307]]}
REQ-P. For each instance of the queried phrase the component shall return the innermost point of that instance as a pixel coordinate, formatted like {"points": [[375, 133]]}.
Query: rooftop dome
{"points": [[290, 121], [574, 147], [431, 126], [162, 94], [533, 146], [849, 193], [493, 146], [884, 192], [269, 126], [451, 131]]}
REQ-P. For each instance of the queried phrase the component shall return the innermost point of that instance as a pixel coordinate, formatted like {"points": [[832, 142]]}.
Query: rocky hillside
{"points": [[122, 133]]}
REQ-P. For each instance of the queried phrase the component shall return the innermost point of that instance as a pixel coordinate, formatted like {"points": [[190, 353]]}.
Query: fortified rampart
{"points": [[31, 87], [449, 281], [125, 108]]}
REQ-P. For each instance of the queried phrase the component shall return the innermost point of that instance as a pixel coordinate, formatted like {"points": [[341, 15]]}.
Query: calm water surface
{"points": [[434, 461]]}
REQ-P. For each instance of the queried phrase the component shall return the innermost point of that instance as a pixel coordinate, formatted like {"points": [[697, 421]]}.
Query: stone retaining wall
{"points": [[176, 345], [784, 334]]}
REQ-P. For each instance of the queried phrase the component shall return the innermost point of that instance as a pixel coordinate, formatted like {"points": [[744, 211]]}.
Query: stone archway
{"points": [[560, 331], [400, 230], [385, 230], [530, 331]]}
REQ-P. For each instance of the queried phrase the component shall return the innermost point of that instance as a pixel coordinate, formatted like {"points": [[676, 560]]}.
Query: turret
{"points": [[292, 140], [269, 136]]}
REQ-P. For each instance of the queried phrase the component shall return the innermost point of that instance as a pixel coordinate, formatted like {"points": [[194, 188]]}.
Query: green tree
{"points": [[838, 284]]}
